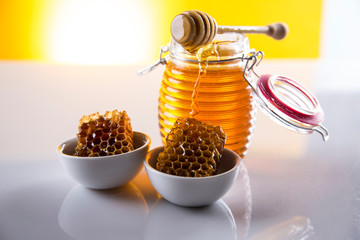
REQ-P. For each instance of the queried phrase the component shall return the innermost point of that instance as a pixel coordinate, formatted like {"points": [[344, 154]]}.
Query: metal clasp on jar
{"points": [[162, 60]]}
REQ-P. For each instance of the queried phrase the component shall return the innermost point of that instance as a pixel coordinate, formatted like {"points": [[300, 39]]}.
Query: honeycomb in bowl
{"points": [[103, 135], [192, 149]]}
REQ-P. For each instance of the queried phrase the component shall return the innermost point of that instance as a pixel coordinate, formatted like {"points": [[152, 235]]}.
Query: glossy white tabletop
{"points": [[312, 195]]}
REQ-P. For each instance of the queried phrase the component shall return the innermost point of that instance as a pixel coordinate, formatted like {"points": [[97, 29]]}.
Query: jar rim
{"points": [[231, 46]]}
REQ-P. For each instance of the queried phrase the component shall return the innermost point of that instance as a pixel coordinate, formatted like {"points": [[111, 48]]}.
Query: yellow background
{"points": [[25, 24]]}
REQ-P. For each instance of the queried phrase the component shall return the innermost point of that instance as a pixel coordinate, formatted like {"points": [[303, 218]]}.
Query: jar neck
{"points": [[225, 47]]}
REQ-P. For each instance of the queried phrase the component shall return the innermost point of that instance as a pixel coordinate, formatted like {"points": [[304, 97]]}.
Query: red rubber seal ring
{"points": [[312, 118]]}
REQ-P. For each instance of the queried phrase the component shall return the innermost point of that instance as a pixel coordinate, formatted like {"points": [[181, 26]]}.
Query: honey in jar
{"points": [[208, 84]]}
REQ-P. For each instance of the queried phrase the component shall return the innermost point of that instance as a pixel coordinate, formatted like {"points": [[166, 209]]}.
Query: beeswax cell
{"points": [[104, 135], [193, 149]]}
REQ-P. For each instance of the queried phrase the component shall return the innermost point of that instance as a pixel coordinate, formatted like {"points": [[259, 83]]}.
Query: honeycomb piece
{"points": [[192, 149], [104, 135]]}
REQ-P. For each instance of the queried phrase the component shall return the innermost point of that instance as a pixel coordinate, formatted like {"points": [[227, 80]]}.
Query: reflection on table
{"points": [[168, 221], [107, 214]]}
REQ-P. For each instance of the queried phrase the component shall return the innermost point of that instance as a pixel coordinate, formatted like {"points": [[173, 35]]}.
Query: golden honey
{"points": [[210, 88]]}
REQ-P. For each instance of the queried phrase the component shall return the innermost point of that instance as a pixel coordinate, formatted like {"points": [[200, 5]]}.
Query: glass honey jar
{"points": [[209, 86]]}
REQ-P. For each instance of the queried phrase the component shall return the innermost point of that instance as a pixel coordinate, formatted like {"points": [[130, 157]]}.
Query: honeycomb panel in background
{"points": [[103, 135], [192, 149]]}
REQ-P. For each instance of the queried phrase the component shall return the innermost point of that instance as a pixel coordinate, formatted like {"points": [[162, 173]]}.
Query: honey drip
{"points": [[202, 55]]}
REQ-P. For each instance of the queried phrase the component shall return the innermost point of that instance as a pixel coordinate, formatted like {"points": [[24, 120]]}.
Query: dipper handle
{"points": [[277, 31]]}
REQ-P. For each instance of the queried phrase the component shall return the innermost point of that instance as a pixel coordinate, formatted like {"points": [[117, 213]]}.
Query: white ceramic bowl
{"points": [[193, 191], [104, 172]]}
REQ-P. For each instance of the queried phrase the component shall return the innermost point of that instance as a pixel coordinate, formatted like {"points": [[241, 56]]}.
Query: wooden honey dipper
{"points": [[193, 29]]}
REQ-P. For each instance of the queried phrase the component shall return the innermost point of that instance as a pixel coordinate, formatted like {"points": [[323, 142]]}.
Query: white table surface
{"points": [[289, 187]]}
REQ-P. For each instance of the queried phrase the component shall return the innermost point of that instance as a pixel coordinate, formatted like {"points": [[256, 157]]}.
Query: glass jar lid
{"points": [[290, 104]]}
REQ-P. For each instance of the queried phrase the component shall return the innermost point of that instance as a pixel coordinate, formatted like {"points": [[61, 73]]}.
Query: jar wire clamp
{"points": [[162, 60]]}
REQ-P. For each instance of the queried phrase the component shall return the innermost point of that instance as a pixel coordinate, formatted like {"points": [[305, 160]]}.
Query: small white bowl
{"points": [[193, 191], [104, 172]]}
